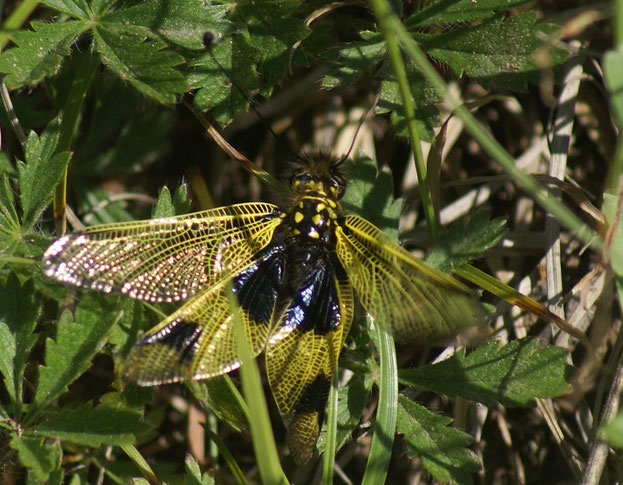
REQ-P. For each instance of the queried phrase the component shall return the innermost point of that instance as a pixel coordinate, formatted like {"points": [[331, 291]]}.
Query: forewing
{"points": [[302, 355], [411, 299], [198, 341], [167, 259]]}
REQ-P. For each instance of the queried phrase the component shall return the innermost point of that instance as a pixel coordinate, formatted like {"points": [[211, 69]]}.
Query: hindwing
{"points": [[198, 341], [302, 353], [412, 300], [168, 259]]}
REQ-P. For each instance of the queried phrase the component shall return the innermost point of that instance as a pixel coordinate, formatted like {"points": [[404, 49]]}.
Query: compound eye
{"points": [[337, 186]]}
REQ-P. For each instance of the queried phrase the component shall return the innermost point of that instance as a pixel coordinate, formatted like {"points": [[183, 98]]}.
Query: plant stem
{"points": [[488, 143], [381, 12]]}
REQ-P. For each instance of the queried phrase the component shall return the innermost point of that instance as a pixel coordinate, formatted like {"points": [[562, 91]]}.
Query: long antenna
{"points": [[208, 40], [359, 125], [224, 145]]}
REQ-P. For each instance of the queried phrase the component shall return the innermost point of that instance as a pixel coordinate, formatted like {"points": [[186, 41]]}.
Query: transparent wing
{"points": [[405, 295], [166, 259], [195, 342], [301, 359], [198, 341]]}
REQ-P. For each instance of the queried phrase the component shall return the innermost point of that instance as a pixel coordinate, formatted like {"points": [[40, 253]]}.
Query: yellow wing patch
{"points": [[411, 299]]}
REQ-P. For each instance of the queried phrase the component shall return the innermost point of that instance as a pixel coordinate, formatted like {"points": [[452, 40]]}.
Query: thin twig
{"points": [[8, 106], [599, 448]]}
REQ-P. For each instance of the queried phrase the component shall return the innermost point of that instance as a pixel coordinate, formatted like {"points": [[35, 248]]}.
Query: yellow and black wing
{"points": [[302, 353], [201, 256], [163, 260], [198, 341], [409, 298]]}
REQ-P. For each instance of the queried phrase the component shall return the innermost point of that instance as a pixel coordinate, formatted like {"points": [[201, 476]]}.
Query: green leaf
{"points": [[217, 395], [260, 39], [181, 199], [193, 473], [6, 167], [4, 414], [466, 241], [41, 172], [124, 334], [31, 112], [10, 226], [77, 341], [164, 204], [425, 98], [7, 205], [215, 90], [513, 375], [100, 208], [350, 404], [100, 7], [443, 450], [273, 28], [76, 8], [18, 317], [354, 59], [181, 22], [57, 477], [140, 61], [351, 400], [369, 195], [614, 431], [497, 52], [613, 74], [88, 426], [385, 426], [168, 206], [39, 52], [38, 456], [127, 472], [442, 12], [139, 133], [611, 210]]}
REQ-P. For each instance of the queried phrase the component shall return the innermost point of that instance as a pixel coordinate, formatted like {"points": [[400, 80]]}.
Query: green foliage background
{"points": [[92, 113]]}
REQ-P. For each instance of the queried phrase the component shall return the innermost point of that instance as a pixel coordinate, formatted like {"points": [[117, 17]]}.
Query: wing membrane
{"points": [[198, 341], [411, 299], [167, 259], [300, 363], [195, 342]]}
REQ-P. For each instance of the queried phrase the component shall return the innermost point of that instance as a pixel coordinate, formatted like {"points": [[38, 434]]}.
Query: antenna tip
{"points": [[208, 38]]}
